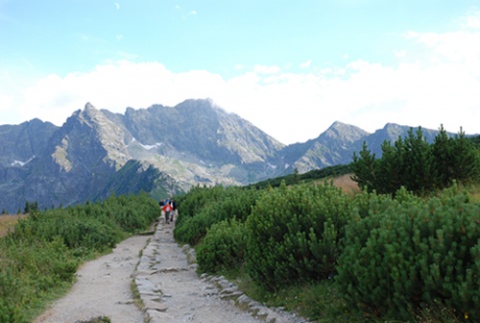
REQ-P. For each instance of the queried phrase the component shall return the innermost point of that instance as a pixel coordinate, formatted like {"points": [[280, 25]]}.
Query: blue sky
{"points": [[292, 68]]}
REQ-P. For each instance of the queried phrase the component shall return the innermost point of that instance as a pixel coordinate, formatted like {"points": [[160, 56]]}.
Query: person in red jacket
{"points": [[167, 209]]}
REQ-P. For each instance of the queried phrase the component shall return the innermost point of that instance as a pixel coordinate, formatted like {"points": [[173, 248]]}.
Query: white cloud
{"points": [[471, 21], [400, 53], [6, 101], [459, 46], [263, 69], [306, 64], [436, 83]]}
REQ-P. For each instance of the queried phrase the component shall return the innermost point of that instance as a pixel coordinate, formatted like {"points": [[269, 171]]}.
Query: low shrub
{"points": [[223, 248], [411, 255], [294, 233], [218, 205]]}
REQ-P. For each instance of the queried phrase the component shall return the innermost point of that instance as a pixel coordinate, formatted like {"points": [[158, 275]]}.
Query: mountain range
{"points": [[161, 150]]}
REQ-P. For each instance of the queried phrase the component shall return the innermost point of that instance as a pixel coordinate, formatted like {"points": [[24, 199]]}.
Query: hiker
{"points": [[162, 204], [167, 208], [174, 210]]}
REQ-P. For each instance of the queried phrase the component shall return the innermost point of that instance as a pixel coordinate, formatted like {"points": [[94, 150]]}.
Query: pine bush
{"points": [[413, 254], [211, 206], [223, 248], [293, 234]]}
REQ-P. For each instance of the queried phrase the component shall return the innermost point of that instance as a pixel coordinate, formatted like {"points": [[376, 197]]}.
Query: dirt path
{"points": [[168, 286], [102, 288]]}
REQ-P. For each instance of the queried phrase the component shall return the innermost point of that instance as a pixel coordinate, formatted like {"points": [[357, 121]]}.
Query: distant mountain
{"points": [[161, 150], [391, 132], [335, 146]]}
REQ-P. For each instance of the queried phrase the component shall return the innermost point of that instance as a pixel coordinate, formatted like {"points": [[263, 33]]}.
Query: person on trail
{"points": [[162, 204], [167, 208], [174, 210]]}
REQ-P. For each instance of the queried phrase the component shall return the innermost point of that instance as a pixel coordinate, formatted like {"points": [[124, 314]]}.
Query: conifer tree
{"points": [[364, 168], [466, 165], [442, 150], [26, 209], [418, 161], [390, 168]]}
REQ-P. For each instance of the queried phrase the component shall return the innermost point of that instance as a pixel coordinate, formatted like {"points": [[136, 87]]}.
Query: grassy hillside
{"points": [[41, 255], [8, 222]]}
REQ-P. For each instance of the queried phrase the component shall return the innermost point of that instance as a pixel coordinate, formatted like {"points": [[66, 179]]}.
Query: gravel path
{"points": [[167, 284], [102, 288], [172, 291]]}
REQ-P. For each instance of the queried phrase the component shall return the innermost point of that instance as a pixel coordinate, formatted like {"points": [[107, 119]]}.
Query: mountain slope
{"points": [[198, 142], [335, 146], [161, 150]]}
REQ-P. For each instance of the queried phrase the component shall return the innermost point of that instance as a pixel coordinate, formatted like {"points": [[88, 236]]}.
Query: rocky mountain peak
{"points": [[89, 106], [344, 132], [160, 149]]}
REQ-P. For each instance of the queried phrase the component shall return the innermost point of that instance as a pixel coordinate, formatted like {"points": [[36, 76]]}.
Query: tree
{"points": [[418, 166], [364, 168], [418, 160], [296, 177], [466, 163], [442, 150], [26, 209], [391, 167]]}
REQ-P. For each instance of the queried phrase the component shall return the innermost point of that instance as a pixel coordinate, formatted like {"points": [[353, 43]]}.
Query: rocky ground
{"points": [[166, 283]]}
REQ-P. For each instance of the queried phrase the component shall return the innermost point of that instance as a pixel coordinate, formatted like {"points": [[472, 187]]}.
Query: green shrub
{"points": [[293, 234], [223, 248], [74, 228], [196, 200], [10, 294], [193, 229], [217, 204], [410, 255]]}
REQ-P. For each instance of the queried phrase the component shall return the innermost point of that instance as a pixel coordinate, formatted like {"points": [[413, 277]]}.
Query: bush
{"points": [[211, 206], [410, 255], [293, 234], [10, 293], [223, 248]]}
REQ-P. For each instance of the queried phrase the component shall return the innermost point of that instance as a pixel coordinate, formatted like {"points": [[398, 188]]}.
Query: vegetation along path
{"points": [[167, 284]]}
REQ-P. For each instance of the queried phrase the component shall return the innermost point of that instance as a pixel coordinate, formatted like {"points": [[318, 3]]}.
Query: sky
{"points": [[291, 68]]}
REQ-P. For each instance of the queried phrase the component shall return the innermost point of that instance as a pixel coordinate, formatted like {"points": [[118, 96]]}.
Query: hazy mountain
{"points": [[161, 150], [335, 146], [391, 132]]}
